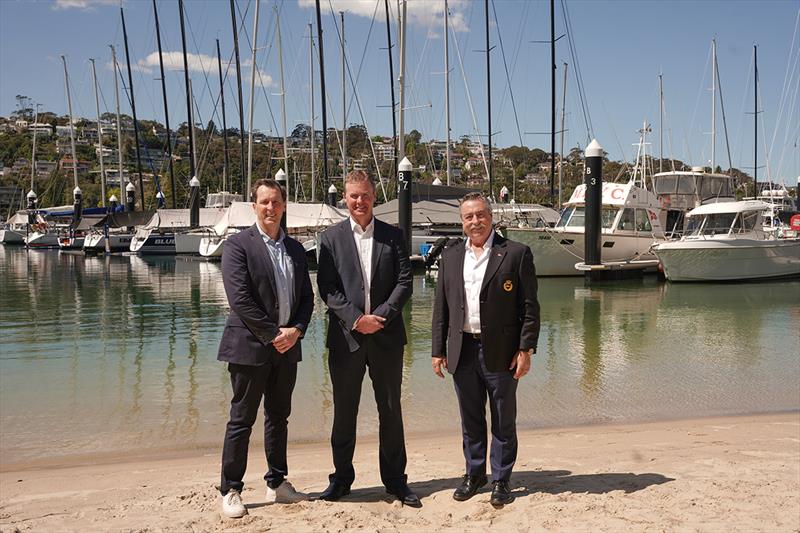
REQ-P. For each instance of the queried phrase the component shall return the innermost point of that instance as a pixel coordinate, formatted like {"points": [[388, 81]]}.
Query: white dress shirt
{"points": [[474, 270], [363, 239], [284, 274]]}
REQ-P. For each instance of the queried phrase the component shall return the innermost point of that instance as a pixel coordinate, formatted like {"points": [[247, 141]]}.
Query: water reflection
{"points": [[119, 353]]}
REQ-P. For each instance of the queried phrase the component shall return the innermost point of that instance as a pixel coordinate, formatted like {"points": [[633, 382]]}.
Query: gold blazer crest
{"points": [[507, 285]]}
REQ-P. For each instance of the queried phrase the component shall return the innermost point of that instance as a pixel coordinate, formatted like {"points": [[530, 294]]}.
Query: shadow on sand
{"points": [[525, 483]]}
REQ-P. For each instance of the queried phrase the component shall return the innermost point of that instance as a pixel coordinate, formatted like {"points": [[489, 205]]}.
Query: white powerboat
{"points": [[726, 241]]}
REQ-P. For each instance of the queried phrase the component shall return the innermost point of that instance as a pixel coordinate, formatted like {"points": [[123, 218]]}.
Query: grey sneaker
{"points": [[285, 493], [232, 506]]}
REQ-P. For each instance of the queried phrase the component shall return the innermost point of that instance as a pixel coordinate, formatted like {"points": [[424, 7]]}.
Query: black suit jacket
{"points": [[508, 305], [249, 277], [341, 284]]}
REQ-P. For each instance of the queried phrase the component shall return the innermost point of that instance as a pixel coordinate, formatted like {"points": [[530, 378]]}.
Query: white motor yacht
{"points": [[726, 241]]}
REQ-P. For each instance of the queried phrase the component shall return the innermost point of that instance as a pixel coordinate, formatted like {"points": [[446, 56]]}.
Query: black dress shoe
{"points": [[501, 494], [334, 492], [405, 495], [469, 487]]}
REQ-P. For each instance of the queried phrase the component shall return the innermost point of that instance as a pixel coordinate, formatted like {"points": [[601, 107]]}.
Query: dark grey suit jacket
{"points": [[249, 278], [341, 285], [508, 304]]}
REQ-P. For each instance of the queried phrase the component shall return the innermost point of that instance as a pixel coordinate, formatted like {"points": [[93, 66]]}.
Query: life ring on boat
{"points": [[794, 222]]}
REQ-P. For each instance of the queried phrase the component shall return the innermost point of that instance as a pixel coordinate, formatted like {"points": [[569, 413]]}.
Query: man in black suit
{"points": [[266, 279], [485, 330], [364, 276]]}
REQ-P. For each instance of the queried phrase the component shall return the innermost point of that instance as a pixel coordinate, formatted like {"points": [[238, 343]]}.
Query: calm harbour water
{"points": [[118, 354]]}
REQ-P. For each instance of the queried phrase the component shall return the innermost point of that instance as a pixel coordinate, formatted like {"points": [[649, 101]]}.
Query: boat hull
{"points": [[556, 252], [41, 240], [96, 243], [10, 236], [188, 243], [71, 243], [730, 259], [153, 243], [211, 246]]}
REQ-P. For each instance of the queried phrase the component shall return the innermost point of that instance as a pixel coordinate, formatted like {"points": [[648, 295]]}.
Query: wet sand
{"points": [[713, 474]]}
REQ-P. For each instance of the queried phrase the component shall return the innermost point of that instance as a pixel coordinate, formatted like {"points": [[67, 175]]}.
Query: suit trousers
{"points": [[274, 382], [473, 384], [386, 372]]}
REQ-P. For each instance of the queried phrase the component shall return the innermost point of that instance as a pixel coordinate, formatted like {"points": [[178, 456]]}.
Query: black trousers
{"points": [[386, 372], [474, 383], [274, 382]]}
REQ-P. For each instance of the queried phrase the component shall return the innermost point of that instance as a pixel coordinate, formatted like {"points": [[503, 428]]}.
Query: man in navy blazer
{"points": [[364, 277], [485, 330], [265, 273]]}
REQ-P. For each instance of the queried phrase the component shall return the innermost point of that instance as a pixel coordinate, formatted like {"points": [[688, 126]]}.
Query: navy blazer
{"points": [[508, 304], [249, 278], [341, 285]]}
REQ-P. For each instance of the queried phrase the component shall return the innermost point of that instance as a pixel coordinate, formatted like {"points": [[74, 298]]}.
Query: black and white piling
{"points": [[280, 177], [194, 202], [130, 197], [404, 171], [31, 207], [160, 201], [504, 195], [114, 202], [333, 195], [593, 179], [77, 204]]}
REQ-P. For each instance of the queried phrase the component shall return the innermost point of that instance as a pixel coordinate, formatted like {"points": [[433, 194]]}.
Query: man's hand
{"points": [[368, 324], [438, 363], [286, 339], [522, 362]]}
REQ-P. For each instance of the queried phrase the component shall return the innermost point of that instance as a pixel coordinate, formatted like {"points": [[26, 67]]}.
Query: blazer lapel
{"points": [[498, 253], [460, 249], [258, 242], [377, 247], [351, 252]]}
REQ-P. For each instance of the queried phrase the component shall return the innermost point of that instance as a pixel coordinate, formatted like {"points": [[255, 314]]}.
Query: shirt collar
{"points": [[356, 228], [486, 245], [279, 240]]}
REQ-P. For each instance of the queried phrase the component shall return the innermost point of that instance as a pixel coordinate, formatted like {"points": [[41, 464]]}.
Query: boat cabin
{"points": [[726, 220], [680, 191]]}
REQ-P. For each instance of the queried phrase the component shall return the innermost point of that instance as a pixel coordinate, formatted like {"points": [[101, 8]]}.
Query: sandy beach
{"points": [[713, 474]]}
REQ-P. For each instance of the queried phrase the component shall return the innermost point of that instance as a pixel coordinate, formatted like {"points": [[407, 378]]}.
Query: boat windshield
{"points": [[712, 224], [574, 217]]}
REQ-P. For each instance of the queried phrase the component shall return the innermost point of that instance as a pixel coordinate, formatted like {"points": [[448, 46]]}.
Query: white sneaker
{"points": [[232, 506], [285, 493]]}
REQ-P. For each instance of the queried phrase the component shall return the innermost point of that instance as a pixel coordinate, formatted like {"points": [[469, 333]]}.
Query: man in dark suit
{"points": [[364, 277], [485, 330], [266, 279]]}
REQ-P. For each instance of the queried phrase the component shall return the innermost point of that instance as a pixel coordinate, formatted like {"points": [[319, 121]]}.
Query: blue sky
{"points": [[621, 46]]}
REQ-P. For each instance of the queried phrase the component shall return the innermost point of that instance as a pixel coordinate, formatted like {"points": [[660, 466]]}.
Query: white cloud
{"points": [[424, 13], [83, 4], [174, 61]]}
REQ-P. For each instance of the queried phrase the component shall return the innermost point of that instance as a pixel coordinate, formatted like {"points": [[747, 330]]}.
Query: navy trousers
{"points": [[386, 373], [473, 384], [274, 382]]}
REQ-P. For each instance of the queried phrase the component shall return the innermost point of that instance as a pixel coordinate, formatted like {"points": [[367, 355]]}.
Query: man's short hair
{"points": [[470, 196], [359, 176], [269, 183]]}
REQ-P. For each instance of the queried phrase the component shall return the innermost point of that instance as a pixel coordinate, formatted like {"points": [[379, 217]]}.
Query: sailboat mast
{"points": [[446, 91], [133, 112], [391, 86], [192, 136], [33, 151], [99, 139], [192, 168], [661, 123], [552, 99], [561, 149], [119, 127], [401, 139], [253, 71], [713, 105], [245, 193], [755, 121], [71, 126], [344, 103], [488, 98], [166, 108], [322, 99], [311, 122], [226, 162], [283, 100]]}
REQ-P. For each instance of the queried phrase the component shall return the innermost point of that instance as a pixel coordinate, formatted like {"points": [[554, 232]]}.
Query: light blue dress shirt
{"points": [[284, 274]]}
